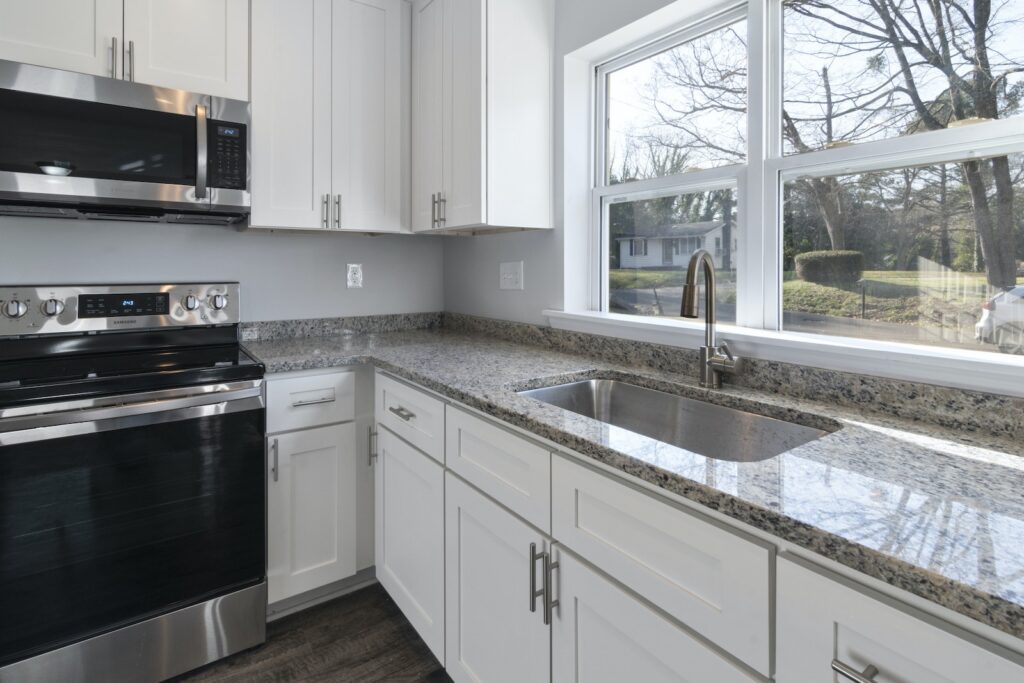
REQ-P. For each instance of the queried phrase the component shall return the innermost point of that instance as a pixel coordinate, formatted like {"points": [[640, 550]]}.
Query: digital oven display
{"points": [[117, 305]]}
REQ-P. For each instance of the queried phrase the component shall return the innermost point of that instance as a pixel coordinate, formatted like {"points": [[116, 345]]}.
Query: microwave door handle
{"points": [[201, 152]]}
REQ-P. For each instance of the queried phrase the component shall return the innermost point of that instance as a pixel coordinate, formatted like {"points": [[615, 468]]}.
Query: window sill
{"points": [[973, 370]]}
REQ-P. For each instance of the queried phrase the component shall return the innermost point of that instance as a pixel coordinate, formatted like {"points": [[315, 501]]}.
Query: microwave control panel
{"points": [[228, 151]]}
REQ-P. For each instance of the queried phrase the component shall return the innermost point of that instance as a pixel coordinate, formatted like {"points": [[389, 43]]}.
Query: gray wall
{"points": [[471, 273], [283, 275]]}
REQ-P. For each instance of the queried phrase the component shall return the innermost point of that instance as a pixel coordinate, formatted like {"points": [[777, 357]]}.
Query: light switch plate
{"points": [[354, 279], [511, 275]]}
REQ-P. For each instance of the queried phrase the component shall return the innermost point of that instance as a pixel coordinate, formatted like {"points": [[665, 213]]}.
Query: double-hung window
{"points": [[855, 168]]}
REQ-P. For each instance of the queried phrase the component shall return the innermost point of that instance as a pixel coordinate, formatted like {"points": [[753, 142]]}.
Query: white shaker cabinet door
{"points": [[311, 509], [602, 634], [368, 97], [428, 34], [74, 35], [291, 114], [196, 45], [409, 499], [491, 633], [464, 114]]}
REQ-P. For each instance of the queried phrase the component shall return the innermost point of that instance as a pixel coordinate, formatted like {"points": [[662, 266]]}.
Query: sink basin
{"points": [[706, 428]]}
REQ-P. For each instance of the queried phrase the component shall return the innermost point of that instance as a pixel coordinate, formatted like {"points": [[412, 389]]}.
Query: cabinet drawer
{"points": [[707, 577], [411, 414], [309, 401], [511, 470], [821, 619]]}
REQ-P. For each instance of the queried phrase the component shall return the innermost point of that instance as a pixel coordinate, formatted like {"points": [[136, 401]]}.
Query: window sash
{"points": [[759, 182]]}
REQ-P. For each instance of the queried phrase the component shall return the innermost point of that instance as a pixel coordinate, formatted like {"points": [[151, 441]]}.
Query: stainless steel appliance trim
{"points": [[121, 399], [202, 161], [68, 321], [159, 648], [127, 417]]}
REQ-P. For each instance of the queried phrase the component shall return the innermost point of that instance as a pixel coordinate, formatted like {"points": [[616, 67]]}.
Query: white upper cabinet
{"points": [[329, 115], [291, 114], [428, 110], [75, 35], [196, 45], [368, 101], [482, 114]]}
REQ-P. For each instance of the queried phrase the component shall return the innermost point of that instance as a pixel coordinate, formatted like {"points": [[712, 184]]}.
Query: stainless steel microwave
{"points": [[80, 146]]}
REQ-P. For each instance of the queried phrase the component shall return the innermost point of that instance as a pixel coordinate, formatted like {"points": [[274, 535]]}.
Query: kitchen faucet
{"points": [[714, 358]]}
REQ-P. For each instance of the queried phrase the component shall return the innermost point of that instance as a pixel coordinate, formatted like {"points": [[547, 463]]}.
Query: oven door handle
{"points": [[28, 429], [202, 156]]}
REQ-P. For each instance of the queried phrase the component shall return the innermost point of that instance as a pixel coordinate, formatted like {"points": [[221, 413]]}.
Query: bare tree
{"points": [[949, 40]]}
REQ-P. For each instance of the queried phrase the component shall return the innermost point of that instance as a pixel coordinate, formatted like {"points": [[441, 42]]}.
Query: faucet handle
{"points": [[724, 348]]}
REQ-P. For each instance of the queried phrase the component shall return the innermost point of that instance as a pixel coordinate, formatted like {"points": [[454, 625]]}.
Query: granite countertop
{"points": [[917, 506]]}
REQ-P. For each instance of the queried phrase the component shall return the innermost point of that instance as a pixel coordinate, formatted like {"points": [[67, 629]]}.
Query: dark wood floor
{"points": [[359, 637]]}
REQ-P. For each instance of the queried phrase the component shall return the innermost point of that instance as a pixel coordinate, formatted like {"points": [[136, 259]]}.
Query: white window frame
{"points": [[759, 185]]}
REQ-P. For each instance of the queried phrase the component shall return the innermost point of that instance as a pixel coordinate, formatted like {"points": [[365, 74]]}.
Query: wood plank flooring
{"points": [[358, 637]]}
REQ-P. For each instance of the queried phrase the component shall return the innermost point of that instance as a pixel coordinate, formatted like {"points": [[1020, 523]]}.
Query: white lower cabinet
{"points": [[311, 509], [409, 495], [822, 621], [492, 634], [602, 634]]}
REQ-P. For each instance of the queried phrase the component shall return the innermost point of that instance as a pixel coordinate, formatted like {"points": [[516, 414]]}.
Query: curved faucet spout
{"points": [[691, 307]]}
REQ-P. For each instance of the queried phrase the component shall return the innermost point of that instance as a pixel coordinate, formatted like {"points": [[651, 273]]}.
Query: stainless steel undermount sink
{"points": [[706, 428]]}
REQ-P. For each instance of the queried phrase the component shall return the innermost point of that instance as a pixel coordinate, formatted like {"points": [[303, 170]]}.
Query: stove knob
{"points": [[190, 303], [14, 308], [218, 302], [52, 307]]}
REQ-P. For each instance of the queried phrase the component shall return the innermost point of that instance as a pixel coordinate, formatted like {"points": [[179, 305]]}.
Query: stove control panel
{"points": [[67, 309]]}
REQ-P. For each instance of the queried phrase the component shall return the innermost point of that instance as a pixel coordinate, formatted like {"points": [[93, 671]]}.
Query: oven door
{"points": [[87, 140], [113, 514]]}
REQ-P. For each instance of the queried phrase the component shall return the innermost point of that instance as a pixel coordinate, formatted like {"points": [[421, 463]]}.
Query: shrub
{"points": [[830, 267]]}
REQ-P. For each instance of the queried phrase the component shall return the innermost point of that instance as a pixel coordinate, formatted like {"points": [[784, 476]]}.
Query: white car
{"points": [[1002, 321]]}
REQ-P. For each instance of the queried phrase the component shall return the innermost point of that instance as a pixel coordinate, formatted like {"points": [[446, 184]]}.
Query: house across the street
{"points": [[673, 245]]}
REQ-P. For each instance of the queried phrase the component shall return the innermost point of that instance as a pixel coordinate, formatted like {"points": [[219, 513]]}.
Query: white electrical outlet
{"points": [[355, 275], [511, 275]]}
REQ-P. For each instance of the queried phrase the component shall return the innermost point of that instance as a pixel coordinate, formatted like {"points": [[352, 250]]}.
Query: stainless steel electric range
{"points": [[132, 482]]}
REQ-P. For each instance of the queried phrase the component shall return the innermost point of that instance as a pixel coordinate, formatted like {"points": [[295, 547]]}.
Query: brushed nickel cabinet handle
{"points": [[337, 212], [131, 60], [372, 441], [402, 413], [313, 401], [433, 210], [534, 593], [273, 467], [549, 602], [443, 209], [324, 202], [848, 672], [113, 57]]}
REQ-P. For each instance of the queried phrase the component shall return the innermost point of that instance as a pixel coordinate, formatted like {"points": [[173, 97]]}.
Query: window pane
{"points": [[859, 70], [650, 244], [683, 109], [941, 248]]}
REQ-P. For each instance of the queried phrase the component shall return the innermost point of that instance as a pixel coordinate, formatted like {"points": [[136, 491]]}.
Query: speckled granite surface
{"points": [[933, 511], [327, 327]]}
